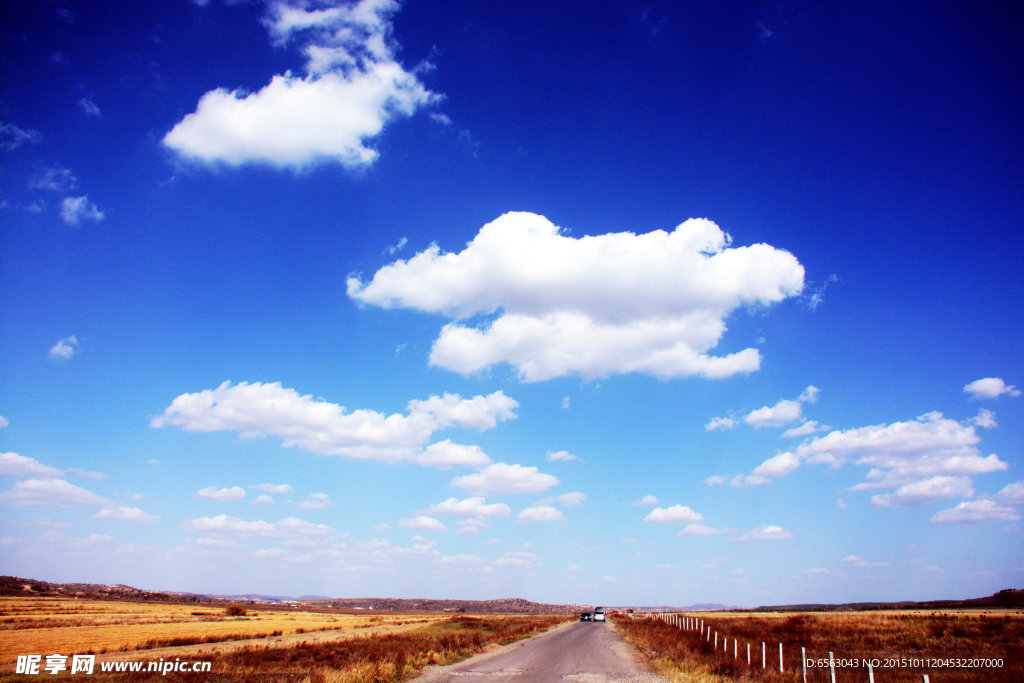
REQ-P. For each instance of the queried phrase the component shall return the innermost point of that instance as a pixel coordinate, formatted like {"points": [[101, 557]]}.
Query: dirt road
{"points": [[582, 651]]}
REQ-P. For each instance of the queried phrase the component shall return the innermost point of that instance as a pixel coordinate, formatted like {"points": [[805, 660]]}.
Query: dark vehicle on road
{"points": [[586, 616]]}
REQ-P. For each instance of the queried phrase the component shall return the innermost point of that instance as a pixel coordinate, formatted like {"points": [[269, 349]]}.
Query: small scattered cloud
{"points": [[779, 415], [14, 465], [263, 499], [677, 514], [561, 456], [54, 179], [806, 429], [279, 489], [225, 526], [540, 513], [990, 387], [3, 422], [763, 533], [126, 514], [316, 501], [566, 403], [75, 210], [475, 508], [65, 348], [926, 491], [398, 246], [645, 501], [50, 493], [88, 107], [719, 424], [12, 137], [857, 561], [976, 512], [571, 499], [502, 478], [222, 495], [698, 529], [422, 523]]}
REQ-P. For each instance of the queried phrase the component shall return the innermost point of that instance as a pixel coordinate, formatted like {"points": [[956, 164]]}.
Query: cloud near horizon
{"points": [[352, 88], [652, 303]]}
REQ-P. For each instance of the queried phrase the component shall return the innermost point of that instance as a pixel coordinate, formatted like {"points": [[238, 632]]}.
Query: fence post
{"points": [[871, 673], [926, 678], [716, 640], [832, 666], [735, 649], [748, 654], [780, 657], [764, 656], [803, 662]]}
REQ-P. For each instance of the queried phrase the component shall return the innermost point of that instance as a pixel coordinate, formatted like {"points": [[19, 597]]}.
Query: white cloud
{"points": [[470, 508], [445, 454], [646, 500], [561, 456], [352, 88], [263, 499], [88, 107], [698, 529], [858, 561], [422, 523], [677, 514], [280, 489], [224, 494], [12, 137], [502, 478], [926, 491], [74, 210], [985, 419], [49, 493], [810, 394], [65, 348], [919, 458], [566, 403], [571, 499], [1012, 494], [806, 429], [316, 501], [317, 426], [779, 415], [3, 422], [226, 526], [976, 512], [990, 387], [14, 465], [540, 513], [616, 303], [765, 532], [55, 179], [719, 423], [125, 514]]}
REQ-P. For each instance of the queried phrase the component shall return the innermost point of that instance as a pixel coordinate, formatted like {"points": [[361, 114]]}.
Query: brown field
{"points": [[899, 643], [38, 625], [264, 645]]}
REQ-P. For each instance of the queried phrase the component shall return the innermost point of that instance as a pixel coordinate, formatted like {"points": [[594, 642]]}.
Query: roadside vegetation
{"points": [[304, 647], [900, 642]]}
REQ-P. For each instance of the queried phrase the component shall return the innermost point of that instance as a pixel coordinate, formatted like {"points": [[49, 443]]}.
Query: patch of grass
{"points": [[890, 639]]}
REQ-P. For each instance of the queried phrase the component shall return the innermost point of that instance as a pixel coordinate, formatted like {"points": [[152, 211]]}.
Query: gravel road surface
{"points": [[580, 651]]}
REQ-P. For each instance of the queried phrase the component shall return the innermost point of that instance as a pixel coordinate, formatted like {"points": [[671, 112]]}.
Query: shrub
{"points": [[235, 611]]}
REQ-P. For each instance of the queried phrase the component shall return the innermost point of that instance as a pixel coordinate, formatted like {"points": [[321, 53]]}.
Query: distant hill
{"points": [[13, 585], [1009, 598]]}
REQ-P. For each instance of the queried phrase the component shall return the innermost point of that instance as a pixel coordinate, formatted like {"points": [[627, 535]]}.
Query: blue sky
{"points": [[624, 304]]}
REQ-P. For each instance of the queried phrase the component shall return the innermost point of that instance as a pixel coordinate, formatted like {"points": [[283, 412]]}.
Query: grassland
{"points": [[903, 645], [263, 645]]}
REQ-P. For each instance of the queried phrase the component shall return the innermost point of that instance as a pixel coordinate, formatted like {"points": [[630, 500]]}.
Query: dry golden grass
{"points": [[902, 645], [68, 626]]}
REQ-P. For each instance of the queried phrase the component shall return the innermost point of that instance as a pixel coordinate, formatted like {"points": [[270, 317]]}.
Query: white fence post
{"points": [[803, 662], [832, 666], [780, 657], [735, 649], [871, 673], [748, 654], [764, 656]]}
